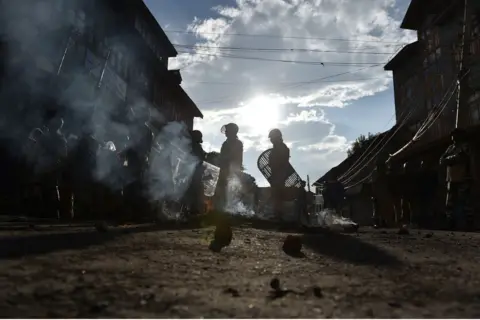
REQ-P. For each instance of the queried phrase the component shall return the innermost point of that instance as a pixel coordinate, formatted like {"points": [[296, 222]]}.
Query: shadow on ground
{"points": [[348, 248], [43, 241], [337, 245]]}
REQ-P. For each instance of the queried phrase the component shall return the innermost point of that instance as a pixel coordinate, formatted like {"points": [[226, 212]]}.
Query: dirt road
{"points": [[143, 272]]}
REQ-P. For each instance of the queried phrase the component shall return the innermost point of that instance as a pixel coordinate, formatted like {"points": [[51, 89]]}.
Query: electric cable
{"points": [[315, 63], [282, 37]]}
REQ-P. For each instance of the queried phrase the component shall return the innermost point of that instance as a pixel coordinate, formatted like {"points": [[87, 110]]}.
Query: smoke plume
{"points": [[48, 66]]}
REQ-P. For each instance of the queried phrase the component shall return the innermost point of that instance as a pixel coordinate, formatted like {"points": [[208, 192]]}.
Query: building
{"points": [[356, 173], [101, 65], [426, 70], [75, 50]]}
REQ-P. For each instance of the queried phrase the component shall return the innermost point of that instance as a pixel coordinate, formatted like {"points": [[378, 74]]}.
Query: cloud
{"points": [[328, 143], [223, 77]]}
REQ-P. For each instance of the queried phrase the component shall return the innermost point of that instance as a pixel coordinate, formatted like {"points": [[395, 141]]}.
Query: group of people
{"points": [[58, 174], [414, 191], [231, 164]]}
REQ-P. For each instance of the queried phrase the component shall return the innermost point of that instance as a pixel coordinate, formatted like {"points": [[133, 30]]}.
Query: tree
{"points": [[361, 143], [213, 158]]}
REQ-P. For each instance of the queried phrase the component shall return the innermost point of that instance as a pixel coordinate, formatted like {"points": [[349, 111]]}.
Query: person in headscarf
{"points": [[279, 163], [231, 163], [195, 194], [456, 158]]}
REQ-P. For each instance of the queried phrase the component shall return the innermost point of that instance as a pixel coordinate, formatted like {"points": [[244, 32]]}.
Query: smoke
{"points": [[171, 163], [330, 219], [47, 66], [235, 202]]}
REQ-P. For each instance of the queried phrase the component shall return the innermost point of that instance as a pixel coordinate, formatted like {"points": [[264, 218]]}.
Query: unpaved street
{"points": [[146, 272]]}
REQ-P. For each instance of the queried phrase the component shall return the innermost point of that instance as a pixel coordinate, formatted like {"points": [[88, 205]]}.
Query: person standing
{"points": [[335, 192], [456, 158], [231, 163], [278, 162], [195, 193], [55, 181], [302, 204]]}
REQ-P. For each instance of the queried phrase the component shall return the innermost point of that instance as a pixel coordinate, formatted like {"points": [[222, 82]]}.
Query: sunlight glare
{"points": [[260, 115]]}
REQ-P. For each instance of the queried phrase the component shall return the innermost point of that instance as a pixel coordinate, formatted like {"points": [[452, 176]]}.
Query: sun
{"points": [[260, 114]]}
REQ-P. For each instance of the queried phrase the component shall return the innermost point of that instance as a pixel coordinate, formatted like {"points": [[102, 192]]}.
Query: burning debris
{"points": [[101, 227], [222, 236], [292, 245], [403, 230]]}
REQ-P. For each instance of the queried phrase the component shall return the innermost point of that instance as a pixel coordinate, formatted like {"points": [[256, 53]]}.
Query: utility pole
{"points": [[462, 82]]}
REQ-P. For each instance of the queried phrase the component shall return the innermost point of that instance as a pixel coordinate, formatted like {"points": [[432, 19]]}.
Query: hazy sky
{"points": [[319, 108]]}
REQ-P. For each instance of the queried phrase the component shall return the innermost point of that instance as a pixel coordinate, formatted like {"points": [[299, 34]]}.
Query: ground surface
{"points": [[145, 272]]}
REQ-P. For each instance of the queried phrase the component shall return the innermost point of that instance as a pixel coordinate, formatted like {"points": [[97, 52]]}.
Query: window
{"points": [[428, 104], [408, 93], [431, 39], [77, 19], [415, 127], [475, 45], [138, 25], [113, 59], [80, 20], [474, 103], [59, 5]]}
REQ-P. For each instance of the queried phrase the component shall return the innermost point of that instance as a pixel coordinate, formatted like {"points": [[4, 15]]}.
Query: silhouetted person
{"points": [[302, 204], [376, 219], [56, 191], [83, 161], [231, 162], [279, 164], [427, 188], [195, 194], [408, 195], [459, 182], [137, 159], [335, 195]]}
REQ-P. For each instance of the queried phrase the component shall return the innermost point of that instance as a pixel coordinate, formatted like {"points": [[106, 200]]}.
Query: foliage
{"points": [[361, 143]]}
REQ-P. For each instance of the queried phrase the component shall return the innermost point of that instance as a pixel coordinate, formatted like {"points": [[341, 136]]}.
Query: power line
{"points": [[365, 154], [281, 36], [282, 83], [376, 154], [204, 47], [316, 63], [432, 116], [430, 119], [296, 85]]}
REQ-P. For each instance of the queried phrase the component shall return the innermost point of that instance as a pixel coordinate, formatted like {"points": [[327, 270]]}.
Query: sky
{"points": [[323, 84]]}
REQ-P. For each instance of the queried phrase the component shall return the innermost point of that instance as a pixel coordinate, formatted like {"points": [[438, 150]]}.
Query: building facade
{"points": [[435, 65], [112, 50]]}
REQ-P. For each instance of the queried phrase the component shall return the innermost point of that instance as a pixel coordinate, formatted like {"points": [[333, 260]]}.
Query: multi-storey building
{"points": [[434, 60], [410, 107], [117, 45]]}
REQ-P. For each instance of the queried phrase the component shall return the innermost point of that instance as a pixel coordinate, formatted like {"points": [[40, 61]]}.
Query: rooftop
{"points": [[407, 52], [419, 9]]}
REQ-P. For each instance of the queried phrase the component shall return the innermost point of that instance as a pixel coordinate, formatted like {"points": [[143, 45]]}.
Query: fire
{"points": [[208, 205]]}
